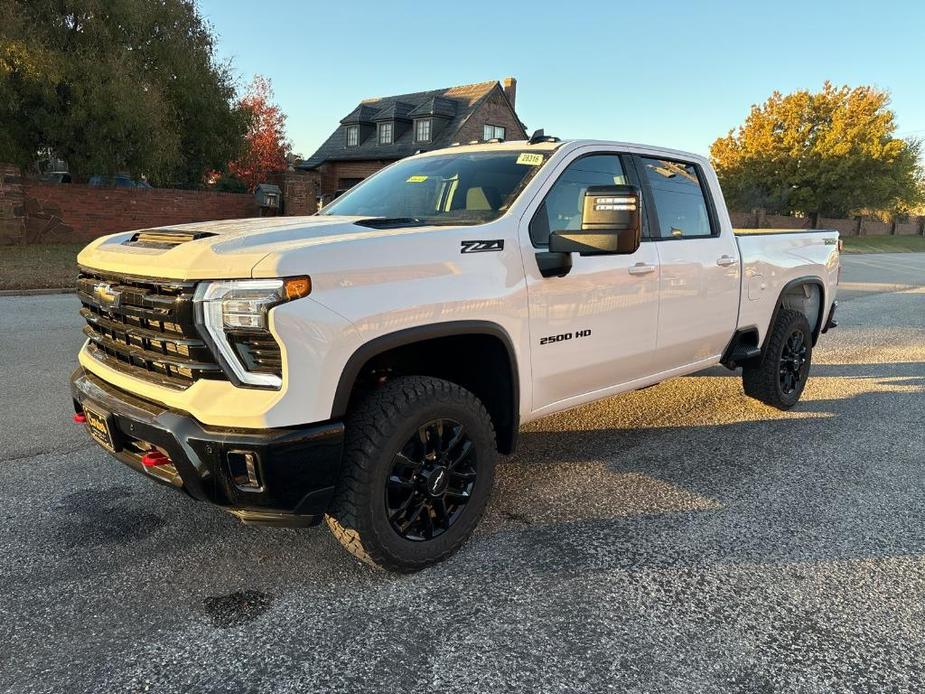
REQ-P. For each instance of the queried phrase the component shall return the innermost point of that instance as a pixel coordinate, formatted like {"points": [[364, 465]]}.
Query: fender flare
{"points": [[420, 333], [799, 281]]}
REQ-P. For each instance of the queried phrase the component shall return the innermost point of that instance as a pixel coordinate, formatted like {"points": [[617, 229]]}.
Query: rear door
{"points": [[595, 327], [699, 264]]}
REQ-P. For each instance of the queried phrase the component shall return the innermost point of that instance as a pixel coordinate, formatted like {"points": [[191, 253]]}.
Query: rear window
{"points": [[679, 198]]}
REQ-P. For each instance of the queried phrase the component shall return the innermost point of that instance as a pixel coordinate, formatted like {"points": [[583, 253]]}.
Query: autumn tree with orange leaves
{"points": [[266, 145]]}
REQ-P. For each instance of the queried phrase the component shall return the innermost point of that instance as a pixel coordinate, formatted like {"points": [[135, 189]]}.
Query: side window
{"points": [[561, 208], [679, 200]]}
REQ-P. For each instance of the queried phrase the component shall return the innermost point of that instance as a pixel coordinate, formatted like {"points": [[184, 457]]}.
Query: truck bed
{"points": [[773, 258]]}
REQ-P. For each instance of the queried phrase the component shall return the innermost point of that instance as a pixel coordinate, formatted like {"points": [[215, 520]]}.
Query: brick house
{"points": [[381, 130]]}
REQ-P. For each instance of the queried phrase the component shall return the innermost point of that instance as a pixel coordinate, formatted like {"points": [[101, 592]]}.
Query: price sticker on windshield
{"points": [[530, 159], [416, 179]]}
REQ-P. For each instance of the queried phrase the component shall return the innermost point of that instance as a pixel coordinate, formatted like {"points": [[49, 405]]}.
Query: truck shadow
{"points": [[769, 486]]}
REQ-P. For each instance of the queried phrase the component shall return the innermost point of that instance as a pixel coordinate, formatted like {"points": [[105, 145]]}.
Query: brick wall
{"points": [[858, 226], [36, 212], [300, 190], [11, 204]]}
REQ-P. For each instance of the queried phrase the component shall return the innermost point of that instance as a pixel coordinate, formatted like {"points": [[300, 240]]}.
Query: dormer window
{"points": [[422, 129], [353, 135], [493, 132], [385, 133]]}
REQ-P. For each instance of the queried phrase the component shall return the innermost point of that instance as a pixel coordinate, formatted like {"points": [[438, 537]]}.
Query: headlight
{"points": [[233, 315]]}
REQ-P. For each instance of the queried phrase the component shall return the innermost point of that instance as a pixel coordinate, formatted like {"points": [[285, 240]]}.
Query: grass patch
{"points": [[884, 244], [39, 266]]}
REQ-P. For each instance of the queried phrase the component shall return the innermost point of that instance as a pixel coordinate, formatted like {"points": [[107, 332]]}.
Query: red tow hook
{"points": [[154, 459], [80, 418]]}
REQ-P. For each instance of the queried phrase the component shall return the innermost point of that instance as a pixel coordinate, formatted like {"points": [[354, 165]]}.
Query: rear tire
{"points": [[419, 463], [778, 376]]}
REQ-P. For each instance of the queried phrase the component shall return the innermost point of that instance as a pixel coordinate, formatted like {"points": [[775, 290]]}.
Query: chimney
{"points": [[510, 89]]}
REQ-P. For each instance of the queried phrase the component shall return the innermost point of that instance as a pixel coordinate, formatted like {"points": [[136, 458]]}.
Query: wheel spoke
{"points": [[462, 475], [457, 438], [405, 461], [413, 516], [443, 517], [403, 507], [464, 451], [428, 523], [460, 497], [401, 482]]}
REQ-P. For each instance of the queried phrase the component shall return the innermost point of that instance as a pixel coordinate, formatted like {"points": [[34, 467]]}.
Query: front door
{"points": [[595, 327]]}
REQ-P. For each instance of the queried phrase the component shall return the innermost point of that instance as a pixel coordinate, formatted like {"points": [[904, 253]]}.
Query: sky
{"points": [[669, 73]]}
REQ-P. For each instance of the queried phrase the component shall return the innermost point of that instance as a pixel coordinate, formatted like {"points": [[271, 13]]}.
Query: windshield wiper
{"points": [[392, 222]]}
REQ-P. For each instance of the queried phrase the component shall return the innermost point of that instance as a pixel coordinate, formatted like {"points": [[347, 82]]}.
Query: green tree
{"points": [[116, 85], [830, 153]]}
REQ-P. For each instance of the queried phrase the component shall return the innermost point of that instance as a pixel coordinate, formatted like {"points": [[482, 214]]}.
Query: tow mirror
{"points": [[610, 223]]}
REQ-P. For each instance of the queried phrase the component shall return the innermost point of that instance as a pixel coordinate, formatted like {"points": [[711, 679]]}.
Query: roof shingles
{"points": [[454, 104]]}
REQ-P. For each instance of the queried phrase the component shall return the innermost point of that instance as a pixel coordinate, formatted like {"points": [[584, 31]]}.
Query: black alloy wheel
{"points": [[418, 468], [793, 362], [431, 480], [779, 375]]}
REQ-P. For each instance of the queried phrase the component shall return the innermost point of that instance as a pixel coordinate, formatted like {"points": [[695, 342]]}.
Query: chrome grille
{"points": [[145, 327]]}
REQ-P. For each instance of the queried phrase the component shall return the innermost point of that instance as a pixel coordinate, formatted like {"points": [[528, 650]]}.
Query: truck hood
{"points": [[228, 249]]}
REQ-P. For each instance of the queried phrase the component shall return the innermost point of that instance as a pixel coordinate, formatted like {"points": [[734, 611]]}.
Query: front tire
{"points": [[778, 376], [419, 463]]}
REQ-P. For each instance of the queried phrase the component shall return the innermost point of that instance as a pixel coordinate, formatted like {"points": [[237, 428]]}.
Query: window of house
{"points": [[491, 132], [353, 135], [385, 133], [679, 199], [422, 128], [563, 205]]}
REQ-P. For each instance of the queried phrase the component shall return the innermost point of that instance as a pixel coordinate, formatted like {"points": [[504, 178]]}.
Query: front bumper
{"points": [[297, 467]]}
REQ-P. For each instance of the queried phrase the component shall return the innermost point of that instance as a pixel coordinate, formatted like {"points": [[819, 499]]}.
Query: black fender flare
{"points": [[420, 333], [799, 281]]}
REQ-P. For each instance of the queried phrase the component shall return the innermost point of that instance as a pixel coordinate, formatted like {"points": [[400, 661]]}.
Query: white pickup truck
{"points": [[365, 365]]}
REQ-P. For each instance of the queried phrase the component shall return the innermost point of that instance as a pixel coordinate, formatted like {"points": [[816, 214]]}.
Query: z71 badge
{"points": [[482, 246]]}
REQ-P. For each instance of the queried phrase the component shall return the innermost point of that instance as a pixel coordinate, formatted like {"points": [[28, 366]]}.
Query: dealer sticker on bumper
{"points": [[98, 426]]}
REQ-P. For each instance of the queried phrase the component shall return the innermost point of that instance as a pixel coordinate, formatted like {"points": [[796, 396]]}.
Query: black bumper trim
{"points": [[299, 466]]}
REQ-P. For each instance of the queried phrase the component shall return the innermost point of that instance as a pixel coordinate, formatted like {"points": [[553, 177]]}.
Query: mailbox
{"points": [[268, 196]]}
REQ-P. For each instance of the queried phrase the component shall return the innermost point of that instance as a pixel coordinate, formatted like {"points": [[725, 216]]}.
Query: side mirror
{"points": [[611, 223]]}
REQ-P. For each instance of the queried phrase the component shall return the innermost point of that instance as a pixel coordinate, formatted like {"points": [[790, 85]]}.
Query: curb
{"points": [[37, 292]]}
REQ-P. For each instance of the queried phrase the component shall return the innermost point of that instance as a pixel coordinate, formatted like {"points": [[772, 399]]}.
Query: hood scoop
{"points": [[164, 238]]}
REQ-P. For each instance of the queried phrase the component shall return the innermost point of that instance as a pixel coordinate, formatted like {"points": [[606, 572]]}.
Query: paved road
{"points": [[881, 272], [681, 538]]}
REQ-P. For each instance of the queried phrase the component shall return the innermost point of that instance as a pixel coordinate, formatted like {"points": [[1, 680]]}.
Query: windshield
{"points": [[458, 188]]}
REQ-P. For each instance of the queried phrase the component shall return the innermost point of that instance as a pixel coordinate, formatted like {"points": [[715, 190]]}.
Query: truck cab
{"points": [[365, 365]]}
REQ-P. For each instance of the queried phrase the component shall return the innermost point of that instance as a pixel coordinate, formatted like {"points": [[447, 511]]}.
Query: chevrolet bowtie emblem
{"points": [[106, 295]]}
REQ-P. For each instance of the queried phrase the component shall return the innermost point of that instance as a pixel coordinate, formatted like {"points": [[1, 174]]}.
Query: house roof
{"points": [[453, 104]]}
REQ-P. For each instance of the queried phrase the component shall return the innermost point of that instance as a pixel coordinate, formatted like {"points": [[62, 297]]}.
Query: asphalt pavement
{"points": [[683, 538]]}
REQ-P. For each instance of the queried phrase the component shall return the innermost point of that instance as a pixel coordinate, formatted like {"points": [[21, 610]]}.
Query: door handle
{"points": [[641, 269], [725, 260]]}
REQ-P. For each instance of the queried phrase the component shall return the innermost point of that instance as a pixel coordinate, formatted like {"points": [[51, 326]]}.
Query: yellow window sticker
{"points": [[530, 159], [416, 179]]}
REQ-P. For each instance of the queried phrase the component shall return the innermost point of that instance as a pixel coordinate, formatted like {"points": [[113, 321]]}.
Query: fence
{"points": [[857, 226]]}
